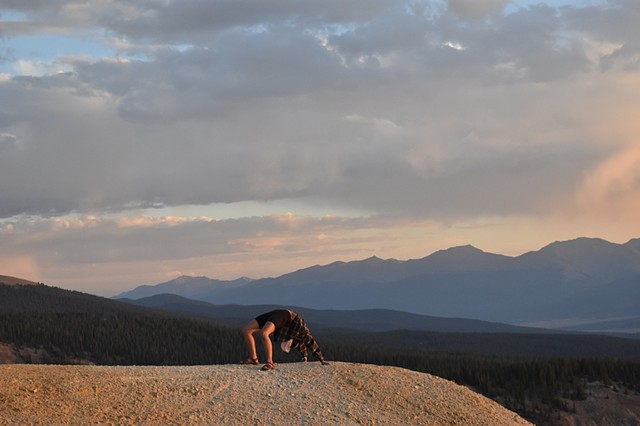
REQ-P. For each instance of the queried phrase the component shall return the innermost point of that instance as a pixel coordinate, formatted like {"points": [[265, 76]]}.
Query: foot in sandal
{"points": [[268, 366]]}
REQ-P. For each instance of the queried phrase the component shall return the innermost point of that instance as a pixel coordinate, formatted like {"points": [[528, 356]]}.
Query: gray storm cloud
{"points": [[476, 9], [227, 101]]}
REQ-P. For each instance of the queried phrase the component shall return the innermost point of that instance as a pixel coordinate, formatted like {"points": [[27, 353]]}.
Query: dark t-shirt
{"points": [[279, 318]]}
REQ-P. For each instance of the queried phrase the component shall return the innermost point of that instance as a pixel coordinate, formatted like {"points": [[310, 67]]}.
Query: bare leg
{"points": [[266, 331], [248, 331]]}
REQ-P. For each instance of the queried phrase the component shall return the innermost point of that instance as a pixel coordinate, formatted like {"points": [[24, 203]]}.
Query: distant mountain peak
{"points": [[464, 258], [372, 259], [186, 286], [465, 250], [186, 278], [586, 248], [468, 248], [579, 242]]}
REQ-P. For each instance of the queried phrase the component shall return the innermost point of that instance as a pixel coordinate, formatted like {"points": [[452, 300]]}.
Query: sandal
{"points": [[250, 361], [268, 366]]}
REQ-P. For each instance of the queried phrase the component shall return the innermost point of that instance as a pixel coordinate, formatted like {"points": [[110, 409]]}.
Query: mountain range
{"points": [[365, 320], [586, 284]]}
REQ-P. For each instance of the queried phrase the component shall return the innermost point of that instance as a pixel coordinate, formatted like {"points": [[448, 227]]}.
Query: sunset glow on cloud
{"points": [[139, 141]]}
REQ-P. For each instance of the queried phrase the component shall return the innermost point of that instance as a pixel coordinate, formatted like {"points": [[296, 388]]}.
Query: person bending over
{"points": [[286, 327]]}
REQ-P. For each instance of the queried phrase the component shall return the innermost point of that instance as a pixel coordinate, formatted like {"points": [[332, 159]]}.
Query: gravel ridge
{"points": [[297, 393]]}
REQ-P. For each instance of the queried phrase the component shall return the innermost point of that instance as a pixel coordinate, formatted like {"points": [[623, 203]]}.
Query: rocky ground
{"points": [[305, 394], [604, 406]]}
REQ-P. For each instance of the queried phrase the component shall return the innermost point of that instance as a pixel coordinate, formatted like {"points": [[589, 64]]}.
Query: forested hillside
{"points": [[72, 325]]}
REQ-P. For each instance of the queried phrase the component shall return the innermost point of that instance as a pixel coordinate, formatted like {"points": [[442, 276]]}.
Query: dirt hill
{"points": [[7, 280], [340, 393]]}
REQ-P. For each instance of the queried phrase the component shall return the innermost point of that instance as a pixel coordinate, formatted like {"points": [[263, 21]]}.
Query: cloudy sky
{"points": [[145, 139]]}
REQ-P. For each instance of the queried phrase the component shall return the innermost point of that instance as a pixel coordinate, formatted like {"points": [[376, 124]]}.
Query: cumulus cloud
{"points": [[415, 110], [274, 103]]}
